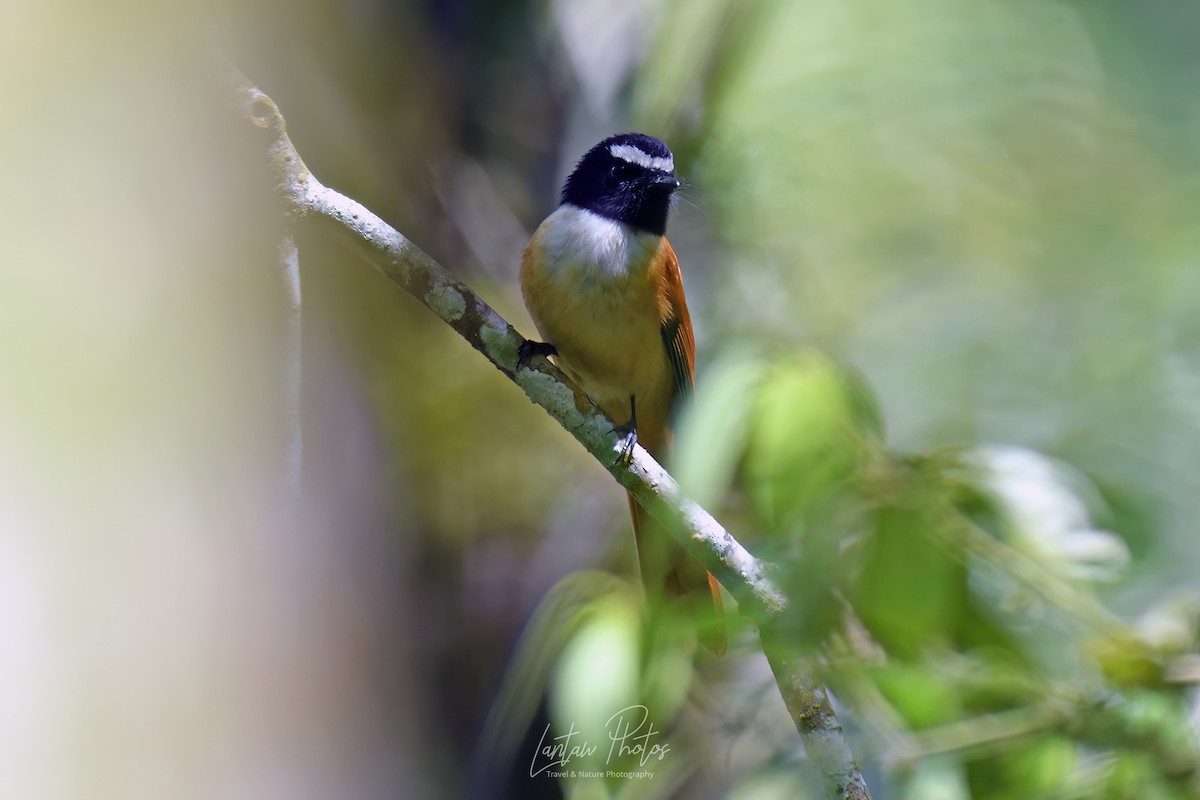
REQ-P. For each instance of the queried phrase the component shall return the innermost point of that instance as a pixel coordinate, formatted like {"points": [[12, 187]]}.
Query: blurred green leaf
{"points": [[566, 607], [923, 698], [598, 673], [774, 784], [1038, 770], [1133, 776], [712, 434], [936, 779], [805, 439], [909, 593]]}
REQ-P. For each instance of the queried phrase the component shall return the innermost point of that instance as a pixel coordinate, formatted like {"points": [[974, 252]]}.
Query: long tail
{"points": [[667, 567]]}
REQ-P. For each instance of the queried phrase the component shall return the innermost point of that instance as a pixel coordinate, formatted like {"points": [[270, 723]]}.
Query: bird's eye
{"points": [[622, 171]]}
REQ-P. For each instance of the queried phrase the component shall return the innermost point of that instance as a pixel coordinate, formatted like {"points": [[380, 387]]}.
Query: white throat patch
{"points": [[635, 155], [580, 245]]}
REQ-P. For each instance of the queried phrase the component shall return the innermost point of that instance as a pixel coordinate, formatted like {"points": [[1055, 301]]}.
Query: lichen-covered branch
{"points": [[463, 310], [808, 704]]}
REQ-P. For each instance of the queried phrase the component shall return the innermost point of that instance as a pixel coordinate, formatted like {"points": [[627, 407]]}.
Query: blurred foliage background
{"points": [[962, 230]]}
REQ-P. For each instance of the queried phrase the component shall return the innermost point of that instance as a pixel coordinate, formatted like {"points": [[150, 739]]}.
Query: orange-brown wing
{"points": [[685, 577], [676, 324]]}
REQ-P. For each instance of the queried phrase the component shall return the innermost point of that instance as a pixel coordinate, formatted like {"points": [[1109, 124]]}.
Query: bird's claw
{"points": [[625, 445], [529, 348]]}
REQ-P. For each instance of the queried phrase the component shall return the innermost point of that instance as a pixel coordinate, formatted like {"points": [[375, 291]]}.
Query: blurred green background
{"points": [[984, 208]]}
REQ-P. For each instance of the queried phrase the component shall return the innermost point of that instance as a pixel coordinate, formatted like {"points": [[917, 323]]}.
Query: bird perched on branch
{"points": [[604, 288]]}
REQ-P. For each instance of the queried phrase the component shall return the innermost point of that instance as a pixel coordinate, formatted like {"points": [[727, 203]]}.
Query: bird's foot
{"points": [[628, 434], [625, 444], [529, 348]]}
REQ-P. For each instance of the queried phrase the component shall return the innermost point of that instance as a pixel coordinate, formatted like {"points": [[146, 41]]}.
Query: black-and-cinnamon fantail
{"points": [[604, 288]]}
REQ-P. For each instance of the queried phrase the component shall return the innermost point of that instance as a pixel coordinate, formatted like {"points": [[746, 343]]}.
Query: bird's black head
{"points": [[629, 178]]}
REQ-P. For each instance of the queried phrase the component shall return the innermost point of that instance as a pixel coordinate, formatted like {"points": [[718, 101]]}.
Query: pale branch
{"points": [[463, 310], [808, 704]]}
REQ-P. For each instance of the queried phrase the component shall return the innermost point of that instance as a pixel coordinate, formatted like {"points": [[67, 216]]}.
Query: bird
{"points": [[605, 291]]}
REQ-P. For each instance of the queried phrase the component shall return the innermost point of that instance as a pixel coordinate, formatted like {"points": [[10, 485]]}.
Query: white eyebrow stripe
{"points": [[635, 155]]}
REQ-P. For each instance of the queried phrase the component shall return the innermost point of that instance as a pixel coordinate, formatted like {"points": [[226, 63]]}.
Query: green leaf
{"points": [[804, 438], [922, 697], [909, 593], [937, 779], [597, 675], [712, 431], [1039, 770]]}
